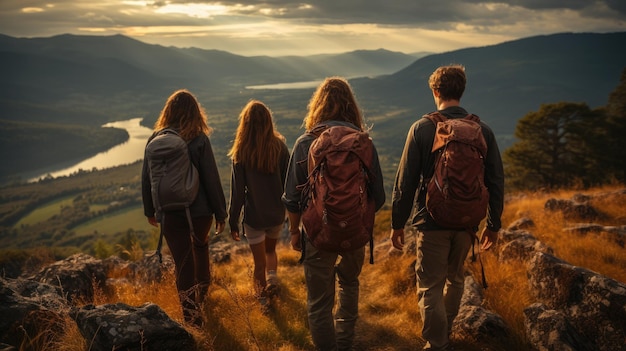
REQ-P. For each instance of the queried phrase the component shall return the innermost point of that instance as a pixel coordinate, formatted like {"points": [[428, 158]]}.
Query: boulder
{"points": [[522, 223], [593, 304], [76, 276], [474, 322], [123, 327], [519, 246], [29, 309], [572, 209], [550, 330]]}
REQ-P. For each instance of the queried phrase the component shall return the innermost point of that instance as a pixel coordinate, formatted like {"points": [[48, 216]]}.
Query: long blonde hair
{"points": [[257, 143], [333, 101], [183, 112]]}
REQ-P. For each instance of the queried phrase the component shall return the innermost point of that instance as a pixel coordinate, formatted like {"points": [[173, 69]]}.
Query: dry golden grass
{"points": [[389, 316], [592, 251]]}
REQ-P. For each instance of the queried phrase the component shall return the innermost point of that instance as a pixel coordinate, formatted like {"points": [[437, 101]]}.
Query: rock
{"points": [[572, 209], [520, 245], [522, 223], [616, 234], [475, 322], [550, 330], [123, 327], [76, 276], [480, 325], [30, 309], [472, 293], [595, 305]]}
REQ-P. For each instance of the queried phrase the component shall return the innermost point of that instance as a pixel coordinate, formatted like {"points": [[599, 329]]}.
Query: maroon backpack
{"points": [[456, 195], [338, 212]]}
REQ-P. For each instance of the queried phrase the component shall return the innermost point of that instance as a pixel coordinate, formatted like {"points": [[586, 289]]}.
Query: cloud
{"points": [[283, 26]]}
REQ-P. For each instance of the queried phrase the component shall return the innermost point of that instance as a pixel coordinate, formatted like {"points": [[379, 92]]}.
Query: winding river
{"points": [[125, 153]]}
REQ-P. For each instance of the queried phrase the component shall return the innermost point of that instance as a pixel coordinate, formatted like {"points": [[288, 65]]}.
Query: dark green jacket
{"points": [[417, 164]]}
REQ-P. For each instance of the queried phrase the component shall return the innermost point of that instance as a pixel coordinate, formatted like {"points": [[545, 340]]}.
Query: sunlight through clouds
{"points": [[250, 27], [194, 10], [32, 9]]}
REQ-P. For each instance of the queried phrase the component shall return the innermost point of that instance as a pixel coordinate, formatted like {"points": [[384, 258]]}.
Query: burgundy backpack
{"points": [[338, 212], [456, 195]]}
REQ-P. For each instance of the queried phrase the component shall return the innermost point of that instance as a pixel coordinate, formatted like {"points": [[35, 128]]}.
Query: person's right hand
{"points": [[235, 235], [296, 242], [397, 238]]}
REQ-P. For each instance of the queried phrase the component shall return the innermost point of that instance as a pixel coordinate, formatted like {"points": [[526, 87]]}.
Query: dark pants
{"points": [[191, 257]]}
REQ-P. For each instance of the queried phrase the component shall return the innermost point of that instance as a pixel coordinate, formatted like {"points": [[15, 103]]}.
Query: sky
{"points": [[306, 27]]}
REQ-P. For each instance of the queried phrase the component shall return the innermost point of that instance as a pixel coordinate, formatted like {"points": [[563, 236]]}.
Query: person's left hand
{"points": [[219, 227], [487, 239], [397, 238], [296, 237]]}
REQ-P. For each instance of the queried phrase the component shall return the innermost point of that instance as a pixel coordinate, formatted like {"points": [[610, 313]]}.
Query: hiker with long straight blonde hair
{"points": [[259, 163]]}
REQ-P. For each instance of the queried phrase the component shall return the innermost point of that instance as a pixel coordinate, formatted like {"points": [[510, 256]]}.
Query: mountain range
{"points": [[90, 80]]}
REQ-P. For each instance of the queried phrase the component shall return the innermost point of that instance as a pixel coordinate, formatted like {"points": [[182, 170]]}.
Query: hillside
{"points": [[582, 273]]}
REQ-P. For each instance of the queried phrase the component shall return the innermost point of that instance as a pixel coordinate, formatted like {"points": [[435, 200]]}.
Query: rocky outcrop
{"points": [[76, 276], [615, 234], [592, 304], [576, 208], [123, 327], [519, 245], [39, 306], [474, 322], [26, 307]]}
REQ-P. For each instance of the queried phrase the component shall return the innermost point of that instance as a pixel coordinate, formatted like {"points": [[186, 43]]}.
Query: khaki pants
{"points": [[440, 279], [321, 268]]}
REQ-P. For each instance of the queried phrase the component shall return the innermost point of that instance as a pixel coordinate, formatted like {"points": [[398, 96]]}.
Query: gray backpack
{"points": [[174, 179]]}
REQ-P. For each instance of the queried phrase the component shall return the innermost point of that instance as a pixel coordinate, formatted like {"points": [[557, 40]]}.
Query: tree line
{"points": [[568, 144]]}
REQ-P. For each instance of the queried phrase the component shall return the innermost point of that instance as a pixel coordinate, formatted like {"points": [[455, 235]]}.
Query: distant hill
{"points": [[41, 73], [90, 80], [509, 80]]}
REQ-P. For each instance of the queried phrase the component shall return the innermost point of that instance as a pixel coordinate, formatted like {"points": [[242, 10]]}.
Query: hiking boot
{"points": [[272, 290], [264, 301]]}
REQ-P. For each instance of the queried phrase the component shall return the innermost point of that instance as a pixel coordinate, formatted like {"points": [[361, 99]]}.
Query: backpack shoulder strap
{"points": [[473, 117], [317, 130], [435, 117]]}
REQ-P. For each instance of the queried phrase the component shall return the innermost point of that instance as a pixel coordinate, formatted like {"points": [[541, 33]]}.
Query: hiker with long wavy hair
{"points": [[333, 104], [183, 114], [259, 163]]}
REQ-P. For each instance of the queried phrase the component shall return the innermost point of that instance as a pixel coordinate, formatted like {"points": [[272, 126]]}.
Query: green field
{"points": [[46, 211], [121, 221]]}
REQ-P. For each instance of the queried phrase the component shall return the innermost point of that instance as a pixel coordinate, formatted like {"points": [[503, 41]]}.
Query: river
{"points": [[125, 153]]}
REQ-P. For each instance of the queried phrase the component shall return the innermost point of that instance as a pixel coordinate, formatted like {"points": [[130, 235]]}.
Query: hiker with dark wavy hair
{"points": [[444, 241], [183, 114], [333, 105], [260, 158]]}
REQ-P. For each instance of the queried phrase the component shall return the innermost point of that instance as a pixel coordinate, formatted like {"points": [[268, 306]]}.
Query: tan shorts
{"points": [[256, 236]]}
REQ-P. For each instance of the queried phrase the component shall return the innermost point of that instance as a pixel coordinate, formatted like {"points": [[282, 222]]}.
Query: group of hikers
{"points": [[270, 184]]}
